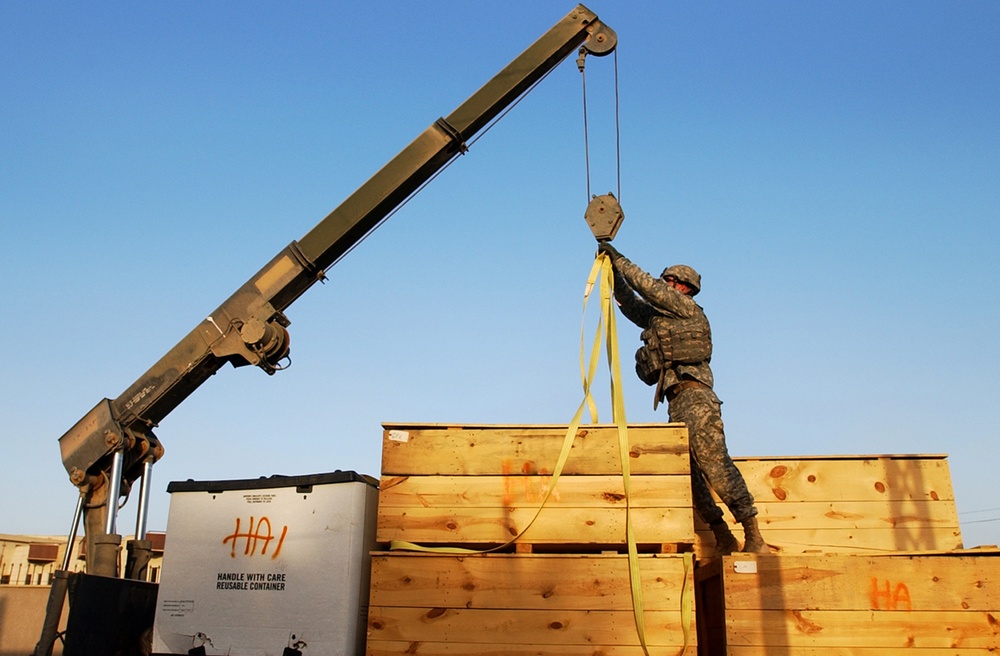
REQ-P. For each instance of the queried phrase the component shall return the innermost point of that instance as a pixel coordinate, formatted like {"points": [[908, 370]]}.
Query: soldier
{"points": [[675, 356]]}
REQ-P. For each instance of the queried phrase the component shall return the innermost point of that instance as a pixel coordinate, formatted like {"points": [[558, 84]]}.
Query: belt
{"points": [[677, 388]]}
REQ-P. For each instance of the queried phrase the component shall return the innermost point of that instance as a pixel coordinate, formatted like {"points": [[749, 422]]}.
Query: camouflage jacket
{"points": [[643, 298]]}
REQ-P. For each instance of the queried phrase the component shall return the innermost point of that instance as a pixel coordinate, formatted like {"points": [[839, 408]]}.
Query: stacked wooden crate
{"points": [[563, 587], [870, 564], [941, 604], [850, 504]]}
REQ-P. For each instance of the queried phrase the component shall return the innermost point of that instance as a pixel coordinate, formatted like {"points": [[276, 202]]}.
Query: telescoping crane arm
{"points": [[107, 450]]}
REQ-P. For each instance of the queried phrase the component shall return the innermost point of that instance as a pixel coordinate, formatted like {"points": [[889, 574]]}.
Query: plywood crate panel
{"points": [[428, 449], [929, 604], [552, 604], [850, 504], [481, 486]]}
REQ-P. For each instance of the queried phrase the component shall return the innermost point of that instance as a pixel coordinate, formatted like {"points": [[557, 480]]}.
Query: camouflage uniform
{"points": [[643, 297]]}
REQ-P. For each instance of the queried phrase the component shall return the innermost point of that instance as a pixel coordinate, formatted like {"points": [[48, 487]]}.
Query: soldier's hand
{"points": [[606, 247]]}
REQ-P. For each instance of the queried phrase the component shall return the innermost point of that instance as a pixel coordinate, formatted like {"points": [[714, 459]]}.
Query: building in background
{"points": [[33, 559]]}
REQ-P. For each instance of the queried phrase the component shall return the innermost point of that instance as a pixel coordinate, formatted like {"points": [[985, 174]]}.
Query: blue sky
{"points": [[832, 170]]}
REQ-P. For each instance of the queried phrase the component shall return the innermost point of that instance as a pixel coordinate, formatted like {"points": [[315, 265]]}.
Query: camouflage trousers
{"points": [[700, 409]]}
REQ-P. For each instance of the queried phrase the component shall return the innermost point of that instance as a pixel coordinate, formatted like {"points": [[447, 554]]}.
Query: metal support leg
{"points": [[114, 491], [71, 540], [57, 593], [143, 514], [53, 613], [103, 549], [140, 550]]}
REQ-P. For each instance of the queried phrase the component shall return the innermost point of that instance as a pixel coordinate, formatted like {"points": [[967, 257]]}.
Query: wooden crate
{"points": [[521, 604], [832, 605], [481, 486], [850, 504]]}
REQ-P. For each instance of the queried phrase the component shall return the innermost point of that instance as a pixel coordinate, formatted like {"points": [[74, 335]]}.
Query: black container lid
{"points": [[269, 482]]}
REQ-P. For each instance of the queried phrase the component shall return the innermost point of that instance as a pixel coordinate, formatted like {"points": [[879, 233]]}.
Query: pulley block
{"points": [[604, 216]]}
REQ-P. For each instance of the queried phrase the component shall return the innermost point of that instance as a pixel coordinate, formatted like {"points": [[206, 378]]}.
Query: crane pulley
{"points": [[604, 213]]}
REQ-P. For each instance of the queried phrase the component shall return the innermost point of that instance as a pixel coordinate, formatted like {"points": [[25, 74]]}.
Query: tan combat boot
{"points": [[754, 541], [725, 541]]}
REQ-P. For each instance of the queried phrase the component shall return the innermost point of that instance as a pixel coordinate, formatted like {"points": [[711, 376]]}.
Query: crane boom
{"points": [[113, 444]]}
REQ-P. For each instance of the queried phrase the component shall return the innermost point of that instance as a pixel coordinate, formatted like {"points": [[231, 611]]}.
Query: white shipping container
{"points": [[266, 567]]}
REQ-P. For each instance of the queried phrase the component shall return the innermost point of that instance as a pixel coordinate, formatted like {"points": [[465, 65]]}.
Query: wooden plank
{"points": [[523, 627], [501, 491], [908, 516], [848, 651], [859, 504], [514, 450], [561, 525], [849, 527], [848, 456], [899, 478], [405, 648], [843, 541], [904, 583], [884, 629], [547, 428], [497, 581]]}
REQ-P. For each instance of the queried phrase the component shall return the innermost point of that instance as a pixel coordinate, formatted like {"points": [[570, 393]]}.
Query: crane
{"points": [[113, 446]]}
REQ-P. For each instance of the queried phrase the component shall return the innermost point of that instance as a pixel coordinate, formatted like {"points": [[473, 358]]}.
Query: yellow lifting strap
{"points": [[603, 271], [600, 264], [601, 274]]}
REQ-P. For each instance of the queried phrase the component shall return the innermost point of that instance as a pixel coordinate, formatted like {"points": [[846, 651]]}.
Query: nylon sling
{"points": [[601, 274]]}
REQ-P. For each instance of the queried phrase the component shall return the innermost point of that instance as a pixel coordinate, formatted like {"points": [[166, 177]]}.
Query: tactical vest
{"points": [[668, 342]]}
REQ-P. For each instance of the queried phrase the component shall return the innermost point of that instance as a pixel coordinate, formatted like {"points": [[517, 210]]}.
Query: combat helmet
{"points": [[685, 274]]}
